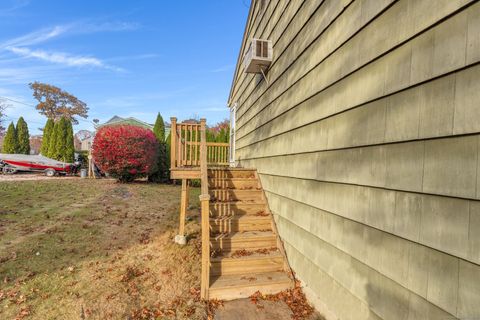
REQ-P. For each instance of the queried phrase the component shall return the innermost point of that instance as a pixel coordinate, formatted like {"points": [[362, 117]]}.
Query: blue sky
{"points": [[126, 58]]}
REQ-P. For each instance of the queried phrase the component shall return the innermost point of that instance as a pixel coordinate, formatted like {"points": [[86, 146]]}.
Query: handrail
{"points": [[186, 144], [217, 153], [205, 213]]}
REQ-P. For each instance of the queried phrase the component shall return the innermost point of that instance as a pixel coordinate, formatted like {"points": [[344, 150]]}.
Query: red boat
{"points": [[12, 163]]}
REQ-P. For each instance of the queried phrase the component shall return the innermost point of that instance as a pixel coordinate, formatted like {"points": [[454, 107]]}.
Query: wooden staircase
{"points": [[246, 254]]}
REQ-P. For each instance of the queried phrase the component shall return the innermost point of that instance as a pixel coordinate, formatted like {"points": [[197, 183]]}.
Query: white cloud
{"points": [[17, 4], [76, 28], [21, 46], [135, 57], [36, 37], [62, 58], [116, 26]]}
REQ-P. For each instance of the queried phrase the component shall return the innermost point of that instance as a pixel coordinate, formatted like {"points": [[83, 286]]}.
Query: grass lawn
{"points": [[96, 249]]}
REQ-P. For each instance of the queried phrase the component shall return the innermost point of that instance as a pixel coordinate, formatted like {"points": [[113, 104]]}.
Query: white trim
{"points": [[233, 112]]}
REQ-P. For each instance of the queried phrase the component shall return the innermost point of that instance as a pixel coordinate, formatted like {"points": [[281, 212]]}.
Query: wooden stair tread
{"points": [[231, 169], [231, 179], [271, 261], [240, 217], [240, 280], [234, 190], [233, 203], [246, 240], [238, 236], [254, 256], [236, 286], [239, 223], [237, 203]]}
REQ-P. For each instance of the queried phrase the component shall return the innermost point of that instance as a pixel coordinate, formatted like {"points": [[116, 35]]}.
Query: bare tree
{"points": [[3, 105]]}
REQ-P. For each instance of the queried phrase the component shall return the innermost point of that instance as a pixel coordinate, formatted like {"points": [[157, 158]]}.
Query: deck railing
{"points": [[186, 145], [217, 153]]}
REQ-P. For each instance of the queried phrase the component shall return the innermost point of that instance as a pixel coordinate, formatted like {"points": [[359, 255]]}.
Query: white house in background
{"points": [[86, 144]]}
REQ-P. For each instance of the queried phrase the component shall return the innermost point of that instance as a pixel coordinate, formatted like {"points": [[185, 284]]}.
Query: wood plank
{"points": [[229, 287], [249, 240], [236, 195], [250, 264], [240, 223], [241, 173], [185, 174], [233, 183], [236, 208]]}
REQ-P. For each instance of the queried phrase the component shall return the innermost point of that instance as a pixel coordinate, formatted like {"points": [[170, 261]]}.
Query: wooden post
{"points": [[205, 214], [91, 173], [183, 207], [173, 142], [205, 279]]}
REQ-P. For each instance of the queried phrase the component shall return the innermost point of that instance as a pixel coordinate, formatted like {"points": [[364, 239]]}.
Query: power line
{"points": [[33, 106], [14, 118], [27, 104]]}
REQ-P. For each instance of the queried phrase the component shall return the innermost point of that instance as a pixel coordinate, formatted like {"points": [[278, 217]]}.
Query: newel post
{"points": [[205, 213], [205, 281]]}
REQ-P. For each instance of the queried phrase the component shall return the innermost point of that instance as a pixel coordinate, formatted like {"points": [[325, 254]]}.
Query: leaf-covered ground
{"points": [[95, 249]]}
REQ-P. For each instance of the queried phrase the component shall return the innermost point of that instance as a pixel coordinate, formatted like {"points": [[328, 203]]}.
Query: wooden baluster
{"points": [[184, 146], [180, 147], [197, 139], [195, 146], [191, 146]]}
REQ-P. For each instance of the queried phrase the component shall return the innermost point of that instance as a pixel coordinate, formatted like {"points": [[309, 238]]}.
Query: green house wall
{"points": [[366, 138]]}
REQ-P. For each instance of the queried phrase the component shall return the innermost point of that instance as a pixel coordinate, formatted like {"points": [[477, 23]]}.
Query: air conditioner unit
{"points": [[258, 57]]}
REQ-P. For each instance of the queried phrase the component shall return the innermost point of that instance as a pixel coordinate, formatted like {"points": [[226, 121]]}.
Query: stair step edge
{"points": [[271, 255]]}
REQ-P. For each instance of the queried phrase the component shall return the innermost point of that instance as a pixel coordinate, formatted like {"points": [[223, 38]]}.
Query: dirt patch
{"points": [[96, 249]]}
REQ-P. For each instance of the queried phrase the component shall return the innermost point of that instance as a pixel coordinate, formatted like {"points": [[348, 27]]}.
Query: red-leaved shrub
{"points": [[125, 152]]}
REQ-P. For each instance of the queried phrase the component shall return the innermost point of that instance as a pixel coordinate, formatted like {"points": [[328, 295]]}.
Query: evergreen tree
{"points": [[23, 137], [61, 134], [52, 140], [47, 134], [10, 142], [52, 145], [162, 173], [159, 128], [70, 145]]}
